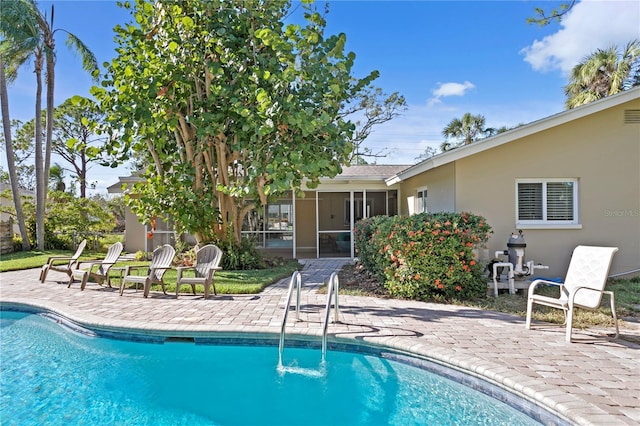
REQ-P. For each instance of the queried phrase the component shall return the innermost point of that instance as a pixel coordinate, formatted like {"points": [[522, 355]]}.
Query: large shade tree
{"points": [[74, 139], [603, 73], [231, 106]]}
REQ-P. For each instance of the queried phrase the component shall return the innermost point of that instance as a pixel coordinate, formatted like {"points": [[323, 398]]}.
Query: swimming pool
{"points": [[51, 375]]}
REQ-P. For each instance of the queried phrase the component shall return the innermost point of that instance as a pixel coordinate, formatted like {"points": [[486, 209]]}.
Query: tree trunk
{"points": [[51, 64], [13, 176], [41, 183]]}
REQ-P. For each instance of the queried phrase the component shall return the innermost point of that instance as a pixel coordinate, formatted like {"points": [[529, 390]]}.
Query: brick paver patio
{"points": [[594, 381]]}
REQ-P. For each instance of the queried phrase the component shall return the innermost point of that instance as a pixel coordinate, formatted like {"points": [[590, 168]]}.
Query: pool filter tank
{"points": [[516, 268], [515, 252]]}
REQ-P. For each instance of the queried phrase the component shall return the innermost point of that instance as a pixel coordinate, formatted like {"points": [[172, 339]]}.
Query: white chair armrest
{"points": [[573, 293]]}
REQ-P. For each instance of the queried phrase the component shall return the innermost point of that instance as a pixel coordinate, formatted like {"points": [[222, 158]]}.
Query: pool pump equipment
{"points": [[516, 265]]}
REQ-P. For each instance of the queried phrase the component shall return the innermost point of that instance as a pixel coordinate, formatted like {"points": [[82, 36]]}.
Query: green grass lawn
{"points": [[227, 282]]}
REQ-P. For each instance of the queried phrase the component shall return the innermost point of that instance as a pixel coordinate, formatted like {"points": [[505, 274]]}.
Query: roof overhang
{"points": [[515, 134], [116, 188]]}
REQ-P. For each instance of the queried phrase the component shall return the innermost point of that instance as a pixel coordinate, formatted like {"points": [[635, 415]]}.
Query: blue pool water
{"points": [[51, 375]]}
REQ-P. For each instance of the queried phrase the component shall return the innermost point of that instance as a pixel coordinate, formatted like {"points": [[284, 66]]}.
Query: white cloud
{"points": [[450, 89], [589, 25]]}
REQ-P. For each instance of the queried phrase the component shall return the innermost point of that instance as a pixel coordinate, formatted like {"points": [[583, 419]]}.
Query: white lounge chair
{"points": [[161, 261], [102, 272], [583, 286], [62, 263], [207, 263]]}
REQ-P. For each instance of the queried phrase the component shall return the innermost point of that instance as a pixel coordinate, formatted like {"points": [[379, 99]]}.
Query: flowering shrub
{"points": [[370, 255], [425, 256]]}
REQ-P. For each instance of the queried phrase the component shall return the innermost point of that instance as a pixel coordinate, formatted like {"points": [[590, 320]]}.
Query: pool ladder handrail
{"points": [[332, 288], [295, 279]]}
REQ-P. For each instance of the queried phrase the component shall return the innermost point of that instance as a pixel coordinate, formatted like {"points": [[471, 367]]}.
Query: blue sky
{"points": [[446, 57]]}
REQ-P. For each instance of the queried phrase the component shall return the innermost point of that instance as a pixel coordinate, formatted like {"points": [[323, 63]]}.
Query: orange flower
{"points": [[458, 288], [473, 262], [440, 286], [150, 234]]}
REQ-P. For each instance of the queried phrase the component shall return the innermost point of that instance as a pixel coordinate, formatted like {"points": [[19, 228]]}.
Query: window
{"points": [[279, 217], [421, 201], [547, 201]]}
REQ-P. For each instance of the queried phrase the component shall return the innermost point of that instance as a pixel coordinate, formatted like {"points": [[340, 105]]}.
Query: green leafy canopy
{"points": [[228, 105]]}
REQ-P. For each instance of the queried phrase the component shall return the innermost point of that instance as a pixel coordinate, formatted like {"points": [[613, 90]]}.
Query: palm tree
{"points": [[13, 176], [19, 43], [603, 73], [30, 33], [466, 130], [56, 178], [492, 131]]}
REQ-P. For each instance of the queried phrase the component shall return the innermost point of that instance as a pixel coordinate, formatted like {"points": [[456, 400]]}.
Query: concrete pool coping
{"points": [[593, 381]]}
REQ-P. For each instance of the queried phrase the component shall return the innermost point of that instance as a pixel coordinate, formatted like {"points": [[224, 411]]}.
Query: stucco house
{"points": [[569, 179]]}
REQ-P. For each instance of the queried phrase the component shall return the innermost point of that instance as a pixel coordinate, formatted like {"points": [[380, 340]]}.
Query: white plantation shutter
{"points": [[530, 201], [560, 201]]}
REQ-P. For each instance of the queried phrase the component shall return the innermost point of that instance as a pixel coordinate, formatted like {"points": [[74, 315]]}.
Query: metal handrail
{"points": [[332, 287], [295, 278]]}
